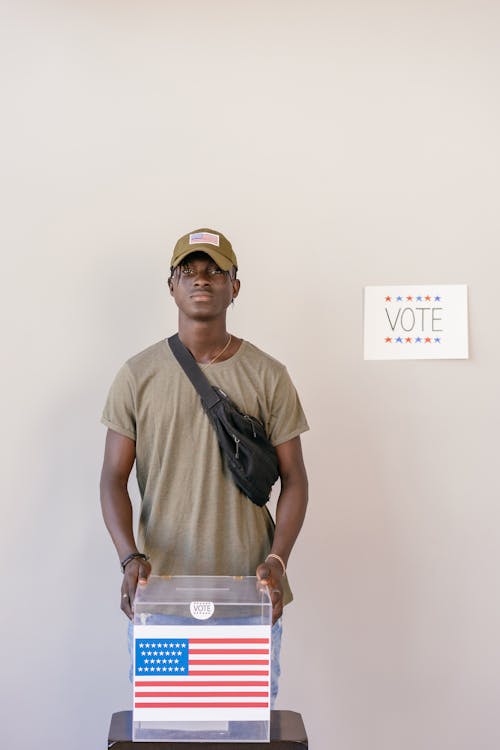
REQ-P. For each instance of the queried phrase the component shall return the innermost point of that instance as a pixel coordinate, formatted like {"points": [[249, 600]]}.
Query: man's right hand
{"points": [[137, 571], [119, 458]]}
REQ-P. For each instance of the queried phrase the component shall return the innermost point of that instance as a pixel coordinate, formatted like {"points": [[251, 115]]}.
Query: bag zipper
{"points": [[246, 416], [237, 441]]}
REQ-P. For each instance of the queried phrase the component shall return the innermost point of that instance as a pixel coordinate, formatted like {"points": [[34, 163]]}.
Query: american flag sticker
{"points": [[206, 238], [189, 673]]}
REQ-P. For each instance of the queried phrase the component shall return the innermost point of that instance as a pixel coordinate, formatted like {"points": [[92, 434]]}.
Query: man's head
{"points": [[206, 241], [203, 274]]}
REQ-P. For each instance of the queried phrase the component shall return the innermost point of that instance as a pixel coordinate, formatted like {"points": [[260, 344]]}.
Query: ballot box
{"points": [[201, 659]]}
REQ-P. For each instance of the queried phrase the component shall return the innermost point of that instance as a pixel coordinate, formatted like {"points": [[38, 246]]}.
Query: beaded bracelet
{"points": [[277, 557], [132, 556]]}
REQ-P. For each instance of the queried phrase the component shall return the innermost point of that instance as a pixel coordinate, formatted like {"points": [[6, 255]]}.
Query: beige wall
{"points": [[337, 144]]}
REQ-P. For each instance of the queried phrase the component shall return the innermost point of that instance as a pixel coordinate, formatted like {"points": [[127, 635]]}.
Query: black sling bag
{"points": [[244, 445]]}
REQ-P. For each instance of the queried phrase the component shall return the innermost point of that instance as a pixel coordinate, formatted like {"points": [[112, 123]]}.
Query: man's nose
{"points": [[201, 277]]}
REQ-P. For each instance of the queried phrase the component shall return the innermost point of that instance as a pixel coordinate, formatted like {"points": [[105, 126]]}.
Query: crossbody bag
{"points": [[247, 451]]}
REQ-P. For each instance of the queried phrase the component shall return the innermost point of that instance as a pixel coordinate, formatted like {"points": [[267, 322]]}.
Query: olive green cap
{"points": [[206, 241]]}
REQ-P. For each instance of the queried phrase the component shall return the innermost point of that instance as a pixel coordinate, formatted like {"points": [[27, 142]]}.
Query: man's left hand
{"points": [[270, 574]]}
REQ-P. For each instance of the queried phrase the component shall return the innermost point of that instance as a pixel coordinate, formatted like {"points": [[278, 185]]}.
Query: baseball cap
{"points": [[206, 241]]}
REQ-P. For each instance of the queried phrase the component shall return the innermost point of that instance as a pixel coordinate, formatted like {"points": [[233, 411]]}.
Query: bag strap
{"points": [[208, 394]]}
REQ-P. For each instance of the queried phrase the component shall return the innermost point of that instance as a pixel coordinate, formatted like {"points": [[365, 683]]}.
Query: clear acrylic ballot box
{"points": [[201, 659]]}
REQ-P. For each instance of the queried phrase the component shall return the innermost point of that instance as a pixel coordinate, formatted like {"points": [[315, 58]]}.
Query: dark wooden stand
{"points": [[287, 733]]}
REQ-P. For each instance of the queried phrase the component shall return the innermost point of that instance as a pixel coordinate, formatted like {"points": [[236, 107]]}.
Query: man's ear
{"points": [[236, 287], [170, 286]]}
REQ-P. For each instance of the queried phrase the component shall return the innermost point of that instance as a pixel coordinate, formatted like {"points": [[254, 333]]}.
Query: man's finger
{"points": [[144, 571], [126, 603], [277, 602], [264, 573], [276, 595]]}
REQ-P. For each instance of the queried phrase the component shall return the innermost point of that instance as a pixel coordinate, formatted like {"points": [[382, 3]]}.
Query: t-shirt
{"points": [[193, 519]]}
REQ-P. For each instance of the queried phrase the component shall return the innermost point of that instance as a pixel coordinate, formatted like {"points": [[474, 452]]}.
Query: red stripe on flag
{"points": [[201, 705], [231, 672], [229, 640], [203, 683], [194, 663], [228, 651], [200, 694]]}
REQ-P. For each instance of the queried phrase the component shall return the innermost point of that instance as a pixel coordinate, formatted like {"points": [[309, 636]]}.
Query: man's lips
{"points": [[201, 295]]}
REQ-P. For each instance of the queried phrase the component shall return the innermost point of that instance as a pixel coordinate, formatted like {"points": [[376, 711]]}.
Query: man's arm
{"points": [[290, 513], [119, 457]]}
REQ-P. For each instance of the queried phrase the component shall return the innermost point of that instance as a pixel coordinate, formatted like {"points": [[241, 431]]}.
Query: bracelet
{"points": [[277, 557], [132, 556]]}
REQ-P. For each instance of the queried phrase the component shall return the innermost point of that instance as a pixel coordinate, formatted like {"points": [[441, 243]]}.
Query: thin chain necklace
{"points": [[207, 364]]}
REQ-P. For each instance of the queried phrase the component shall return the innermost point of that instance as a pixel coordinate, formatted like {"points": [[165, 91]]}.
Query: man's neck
{"points": [[203, 338]]}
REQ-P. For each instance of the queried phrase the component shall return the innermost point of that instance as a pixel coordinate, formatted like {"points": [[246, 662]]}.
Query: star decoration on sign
{"points": [[399, 340], [412, 298]]}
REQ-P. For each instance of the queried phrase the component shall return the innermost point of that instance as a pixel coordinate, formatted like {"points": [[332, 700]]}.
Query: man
{"points": [[194, 520]]}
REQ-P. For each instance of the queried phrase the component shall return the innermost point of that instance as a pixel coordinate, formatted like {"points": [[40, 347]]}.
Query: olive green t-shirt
{"points": [[194, 520]]}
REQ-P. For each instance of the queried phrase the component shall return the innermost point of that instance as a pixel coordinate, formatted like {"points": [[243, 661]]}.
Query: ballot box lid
{"points": [[221, 590]]}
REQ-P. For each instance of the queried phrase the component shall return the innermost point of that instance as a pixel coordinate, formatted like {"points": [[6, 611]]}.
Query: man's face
{"points": [[202, 290]]}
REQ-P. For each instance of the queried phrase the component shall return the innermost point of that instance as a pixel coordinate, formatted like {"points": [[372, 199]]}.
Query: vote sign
{"points": [[424, 321]]}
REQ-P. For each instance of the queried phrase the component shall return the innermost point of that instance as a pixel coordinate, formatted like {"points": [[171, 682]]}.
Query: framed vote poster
{"points": [[417, 321]]}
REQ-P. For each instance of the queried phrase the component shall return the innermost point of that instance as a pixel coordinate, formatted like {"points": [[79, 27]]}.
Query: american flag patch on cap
{"points": [[204, 237]]}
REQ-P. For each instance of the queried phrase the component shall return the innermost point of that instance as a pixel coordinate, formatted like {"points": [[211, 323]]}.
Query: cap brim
{"points": [[225, 263]]}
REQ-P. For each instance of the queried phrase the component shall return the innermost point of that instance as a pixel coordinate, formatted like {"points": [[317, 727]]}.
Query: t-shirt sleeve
{"points": [[287, 418], [119, 410]]}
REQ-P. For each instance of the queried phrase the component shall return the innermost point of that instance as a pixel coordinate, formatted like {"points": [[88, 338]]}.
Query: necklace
{"points": [[219, 354]]}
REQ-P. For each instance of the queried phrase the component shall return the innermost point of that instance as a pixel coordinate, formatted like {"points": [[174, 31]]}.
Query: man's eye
{"points": [[188, 271]]}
